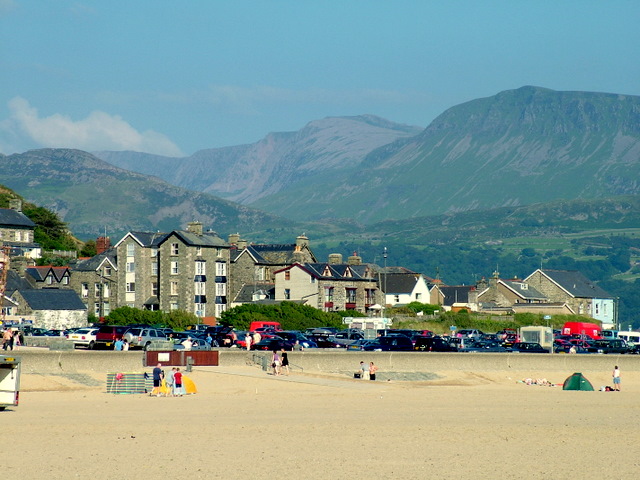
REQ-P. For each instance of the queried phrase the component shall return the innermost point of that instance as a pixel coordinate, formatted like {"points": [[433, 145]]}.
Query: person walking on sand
{"points": [[157, 380], [285, 362], [616, 378], [372, 371], [363, 370], [276, 363]]}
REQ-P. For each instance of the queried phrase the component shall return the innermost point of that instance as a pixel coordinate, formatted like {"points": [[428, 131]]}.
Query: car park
{"points": [[483, 347], [298, 338], [196, 344], [84, 337], [346, 338], [360, 345]]}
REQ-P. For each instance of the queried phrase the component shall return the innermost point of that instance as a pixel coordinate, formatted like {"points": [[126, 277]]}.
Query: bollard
{"points": [[189, 363]]}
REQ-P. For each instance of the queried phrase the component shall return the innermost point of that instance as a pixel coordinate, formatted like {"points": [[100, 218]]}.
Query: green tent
{"points": [[577, 382]]}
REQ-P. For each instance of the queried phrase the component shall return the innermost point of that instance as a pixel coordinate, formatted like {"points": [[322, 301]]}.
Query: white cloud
{"points": [[98, 131]]}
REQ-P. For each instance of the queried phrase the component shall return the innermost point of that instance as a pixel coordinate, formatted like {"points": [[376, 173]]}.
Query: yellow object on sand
{"points": [[188, 385]]}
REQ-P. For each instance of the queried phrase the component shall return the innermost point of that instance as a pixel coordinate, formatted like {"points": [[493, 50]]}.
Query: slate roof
{"points": [[13, 218], [52, 299], [397, 283], [207, 239], [576, 284], [16, 282], [146, 239], [528, 293], [328, 271], [456, 294], [245, 295], [271, 254], [94, 263]]}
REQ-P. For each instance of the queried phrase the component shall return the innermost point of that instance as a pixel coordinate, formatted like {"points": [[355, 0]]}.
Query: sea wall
{"points": [[40, 360]]}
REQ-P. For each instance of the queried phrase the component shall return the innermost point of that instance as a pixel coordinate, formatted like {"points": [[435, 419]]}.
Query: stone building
{"points": [[331, 286], [137, 283], [17, 231], [51, 308], [193, 270], [253, 267], [95, 281]]}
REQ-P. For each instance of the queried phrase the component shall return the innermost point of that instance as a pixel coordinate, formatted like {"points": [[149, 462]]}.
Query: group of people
{"points": [[121, 344], [10, 339], [280, 362], [367, 371], [173, 382]]}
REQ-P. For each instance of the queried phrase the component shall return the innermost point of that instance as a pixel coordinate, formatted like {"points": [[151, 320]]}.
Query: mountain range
{"points": [[519, 147], [486, 159]]}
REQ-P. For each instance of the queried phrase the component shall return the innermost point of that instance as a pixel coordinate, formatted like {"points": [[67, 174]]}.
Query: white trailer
{"points": [[9, 381], [537, 334]]}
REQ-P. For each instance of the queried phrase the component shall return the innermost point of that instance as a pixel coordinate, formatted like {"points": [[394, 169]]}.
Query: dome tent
{"points": [[577, 382]]}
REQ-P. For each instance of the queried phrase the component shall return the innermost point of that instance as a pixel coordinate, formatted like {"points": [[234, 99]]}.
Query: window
{"points": [[106, 309], [201, 267], [96, 308], [85, 290], [418, 296], [351, 295], [328, 294], [97, 288], [48, 280], [221, 289], [18, 236], [312, 279], [200, 288], [154, 252], [396, 298], [106, 290], [173, 306], [174, 268], [154, 289], [131, 287], [131, 267], [199, 251], [154, 268], [107, 271], [218, 252], [200, 309], [174, 288], [65, 280], [131, 250], [287, 294], [221, 269], [174, 249], [287, 275]]}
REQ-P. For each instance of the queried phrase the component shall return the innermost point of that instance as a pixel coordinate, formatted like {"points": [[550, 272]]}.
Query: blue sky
{"points": [[172, 77]]}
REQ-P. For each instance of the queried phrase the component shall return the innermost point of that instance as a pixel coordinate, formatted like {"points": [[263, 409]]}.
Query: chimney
{"points": [[102, 244], [302, 241], [335, 259], [15, 204], [194, 227], [242, 244], [234, 238], [354, 259]]}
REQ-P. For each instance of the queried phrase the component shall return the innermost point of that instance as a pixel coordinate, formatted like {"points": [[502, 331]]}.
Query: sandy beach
{"points": [[246, 423]]}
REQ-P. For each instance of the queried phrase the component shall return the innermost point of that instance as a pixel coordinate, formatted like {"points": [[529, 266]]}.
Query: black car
{"points": [[616, 345], [433, 344], [527, 347], [390, 343], [273, 344]]}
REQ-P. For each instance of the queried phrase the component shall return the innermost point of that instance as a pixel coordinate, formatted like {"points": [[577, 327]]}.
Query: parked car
{"points": [[273, 343], [433, 344], [196, 344], [298, 338], [483, 347], [108, 334], [84, 337], [616, 345], [470, 333], [346, 338], [142, 337], [360, 345], [527, 347], [392, 343]]}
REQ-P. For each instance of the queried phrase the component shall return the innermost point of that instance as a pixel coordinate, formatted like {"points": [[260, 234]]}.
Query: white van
{"points": [[632, 338], [9, 381]]}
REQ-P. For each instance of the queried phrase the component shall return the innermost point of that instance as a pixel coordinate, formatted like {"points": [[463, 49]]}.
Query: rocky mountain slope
{"points": [[519, 147], [247, 173], [93, 196]]}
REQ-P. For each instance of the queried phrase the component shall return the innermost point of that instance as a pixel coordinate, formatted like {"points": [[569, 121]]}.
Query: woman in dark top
{"points": [[285, 362]]}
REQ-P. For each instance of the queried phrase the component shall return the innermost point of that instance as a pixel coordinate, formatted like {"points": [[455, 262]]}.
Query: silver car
{"points": [[142, 337]]}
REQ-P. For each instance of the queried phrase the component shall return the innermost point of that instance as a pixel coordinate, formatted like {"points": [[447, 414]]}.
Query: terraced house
{"points": [[193, 268], [331, 286]]}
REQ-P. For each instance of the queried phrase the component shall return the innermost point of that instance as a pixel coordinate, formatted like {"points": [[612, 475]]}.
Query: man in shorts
{"points": [[157, 380]]}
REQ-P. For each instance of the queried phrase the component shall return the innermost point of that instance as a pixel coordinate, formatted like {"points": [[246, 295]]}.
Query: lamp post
{"points": [[384, 298]]}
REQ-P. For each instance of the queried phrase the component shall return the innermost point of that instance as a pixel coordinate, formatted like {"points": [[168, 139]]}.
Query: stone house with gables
{"points": [[17, 231], [331, 286], [253, 267], [570, 287], [193, 271], [95, 281], [47, 276]]}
